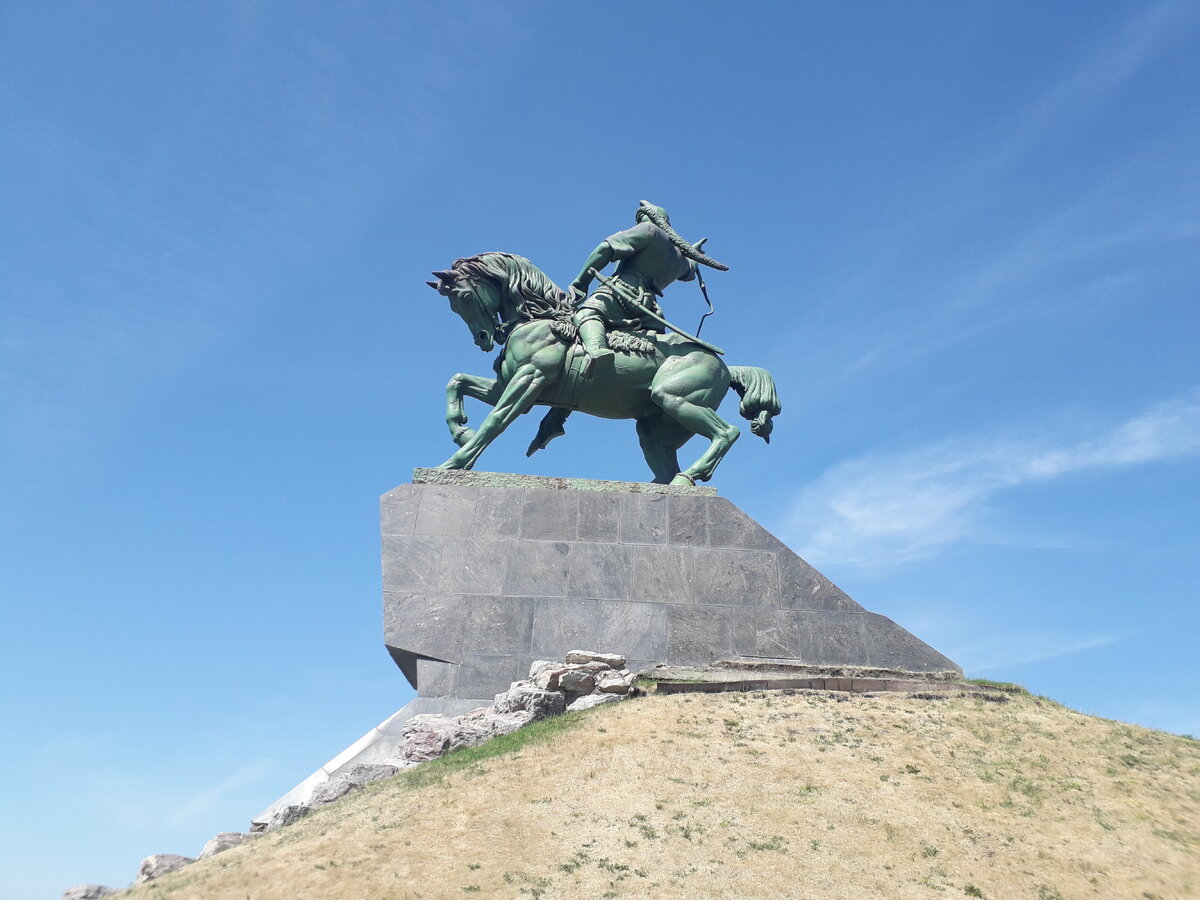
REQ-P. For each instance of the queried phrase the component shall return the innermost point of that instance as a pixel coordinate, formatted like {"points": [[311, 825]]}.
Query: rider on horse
{"points": [[650, 256]]}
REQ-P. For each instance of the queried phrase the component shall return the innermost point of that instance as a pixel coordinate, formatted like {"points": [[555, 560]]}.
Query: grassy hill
{"points": [[757, 795]]}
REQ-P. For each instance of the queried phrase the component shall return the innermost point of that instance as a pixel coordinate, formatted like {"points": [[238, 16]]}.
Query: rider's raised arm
{"points": [[618, 246], [600, 258]]}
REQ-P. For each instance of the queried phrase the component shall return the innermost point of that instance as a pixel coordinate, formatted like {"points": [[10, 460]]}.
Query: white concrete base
{"points": [[376, 746]]}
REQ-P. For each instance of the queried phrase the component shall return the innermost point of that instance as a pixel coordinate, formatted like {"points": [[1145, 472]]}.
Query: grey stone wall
{"points": [[480, 580]]}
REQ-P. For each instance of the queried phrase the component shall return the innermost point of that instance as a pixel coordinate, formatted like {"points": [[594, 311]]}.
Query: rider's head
{"points": [[642, 216]]}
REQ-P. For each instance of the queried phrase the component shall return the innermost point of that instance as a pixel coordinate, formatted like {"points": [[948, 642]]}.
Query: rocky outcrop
{"points": [[88, 892], [159, 864], [340, 785], [585, 680], [286, 815], [223, 841]]}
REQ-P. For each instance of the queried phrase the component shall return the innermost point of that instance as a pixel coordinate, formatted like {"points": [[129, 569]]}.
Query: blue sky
{"points": [[962, 236]]}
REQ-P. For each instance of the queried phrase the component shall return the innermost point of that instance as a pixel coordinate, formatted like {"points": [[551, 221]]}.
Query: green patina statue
{"points": [[610, 353], [650, 256]]}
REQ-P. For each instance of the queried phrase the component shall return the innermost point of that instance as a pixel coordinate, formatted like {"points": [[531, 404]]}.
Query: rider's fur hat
{"points": [[658, 216]]}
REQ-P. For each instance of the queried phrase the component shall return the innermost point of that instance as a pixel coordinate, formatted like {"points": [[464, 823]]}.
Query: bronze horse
{"points": [[668, 384]]}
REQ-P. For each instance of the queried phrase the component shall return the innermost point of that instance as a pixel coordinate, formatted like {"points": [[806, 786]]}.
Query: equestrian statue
{"points": [[609, 353]]}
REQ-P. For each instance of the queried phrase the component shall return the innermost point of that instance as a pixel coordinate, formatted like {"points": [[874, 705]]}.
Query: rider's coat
{"points": [[646, 259]]}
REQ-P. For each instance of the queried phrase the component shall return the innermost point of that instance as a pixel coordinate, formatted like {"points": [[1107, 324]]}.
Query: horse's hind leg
{"points": [[660, 438]]}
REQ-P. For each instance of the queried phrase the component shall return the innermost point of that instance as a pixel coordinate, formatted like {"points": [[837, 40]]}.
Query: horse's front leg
{"points": [[516, 399], [477, 388]]}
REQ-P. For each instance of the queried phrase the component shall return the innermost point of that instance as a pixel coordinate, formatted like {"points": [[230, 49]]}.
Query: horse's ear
{"points": [[446, 279]]}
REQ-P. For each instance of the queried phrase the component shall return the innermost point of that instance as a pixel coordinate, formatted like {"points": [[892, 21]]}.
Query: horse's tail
{"points": [[760, 401]]}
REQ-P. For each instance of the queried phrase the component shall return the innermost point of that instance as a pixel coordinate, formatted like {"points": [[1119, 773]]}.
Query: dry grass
{"points": [[765, 795]]}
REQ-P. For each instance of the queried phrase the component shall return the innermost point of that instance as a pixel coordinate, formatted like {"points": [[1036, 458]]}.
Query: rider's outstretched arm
{"points": [[601, 257]]}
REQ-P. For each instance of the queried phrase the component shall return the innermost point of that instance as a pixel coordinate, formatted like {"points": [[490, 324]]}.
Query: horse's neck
{"points": [[509, 310]]}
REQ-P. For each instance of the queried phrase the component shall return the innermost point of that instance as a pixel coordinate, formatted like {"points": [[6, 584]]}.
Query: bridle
{"points": [[484, 312]]}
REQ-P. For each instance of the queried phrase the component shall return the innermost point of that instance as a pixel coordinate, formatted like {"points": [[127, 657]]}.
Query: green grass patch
{"points": [[469, 759]]}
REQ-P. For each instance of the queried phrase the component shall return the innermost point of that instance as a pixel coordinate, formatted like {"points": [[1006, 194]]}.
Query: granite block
{"points": [[730, 528], [446, 510], [635, 630], [745, 630], [777, 634], [398, 510], [550, 516], [699, 635], [412, 563], [429, 625], [831, 637], [803, 587], [600, 516], [536, 568], [498, 625], [473, 566], [643, 518], [436, 679], [737, 578], [687, 520], [663, 573], [892, 647], [600, 571], [479, 675], [498, 512]]}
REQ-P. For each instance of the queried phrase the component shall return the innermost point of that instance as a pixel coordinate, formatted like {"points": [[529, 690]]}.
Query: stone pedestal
{"points": [[484, 573]]}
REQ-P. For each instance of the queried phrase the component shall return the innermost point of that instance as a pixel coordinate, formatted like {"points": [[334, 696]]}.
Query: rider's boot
{"points": [[550, 428], [594, 337]]}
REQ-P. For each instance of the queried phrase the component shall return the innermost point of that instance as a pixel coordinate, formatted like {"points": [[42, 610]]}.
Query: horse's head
{"points": [[476, 301]]}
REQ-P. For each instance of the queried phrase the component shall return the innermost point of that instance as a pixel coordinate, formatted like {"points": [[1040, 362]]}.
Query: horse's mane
{"points": [[535, 295]]}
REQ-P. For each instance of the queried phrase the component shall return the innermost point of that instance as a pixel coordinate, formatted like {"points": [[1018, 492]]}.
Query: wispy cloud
{"points": [[1088, 82], [961, 262], [887, 509], [203, 801], [1017, 648]]}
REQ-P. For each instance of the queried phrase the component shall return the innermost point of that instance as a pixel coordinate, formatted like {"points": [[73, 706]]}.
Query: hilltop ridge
{"points": [[768, 794]]}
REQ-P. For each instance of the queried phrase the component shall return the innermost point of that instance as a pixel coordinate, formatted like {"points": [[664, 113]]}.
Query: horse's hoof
{"points": [[682, 480]]}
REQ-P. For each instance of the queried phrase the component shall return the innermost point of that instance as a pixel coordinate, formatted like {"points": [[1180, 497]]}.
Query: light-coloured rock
{"points": [[613, 682], [428, 737], [577, 681], [286, 815], [344, 782], [88, 892], [367, 773], [587, 701], [612, 660], [467, 731], [524, 696], [547, 678], [334, 789], [159, 864], [506, 723], [541, 665], [223, 841]]}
